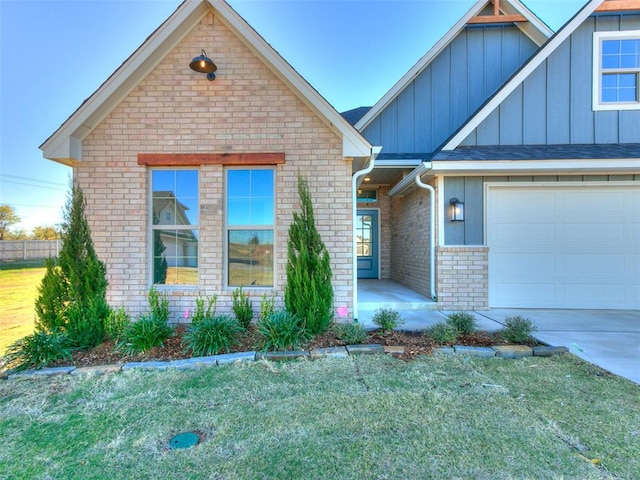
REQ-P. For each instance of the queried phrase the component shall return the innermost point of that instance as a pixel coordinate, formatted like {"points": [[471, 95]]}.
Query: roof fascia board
{"points": [[425, 61], [354, 144], [143, 60], [508, 167], [563, 34]]}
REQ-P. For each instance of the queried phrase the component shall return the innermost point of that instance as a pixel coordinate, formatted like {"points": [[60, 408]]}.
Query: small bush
{"points": [[159, 305], [242, 307], [37, 350], [85, 326], [144, 334], [443, 333], [281, 331], [351, 333], [517, 329], [116, 323], [203, 312], [267, 305], [387, 319], [211, 335], [463, 322]]}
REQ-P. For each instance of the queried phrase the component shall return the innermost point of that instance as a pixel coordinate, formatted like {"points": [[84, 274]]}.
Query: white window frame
{"points": [[598, 38], [153, 228], [228, 228]]}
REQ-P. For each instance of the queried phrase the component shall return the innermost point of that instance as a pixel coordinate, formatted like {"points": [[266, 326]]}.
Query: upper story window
{"points": [[616, 60], [250, 227], [175, 227]]}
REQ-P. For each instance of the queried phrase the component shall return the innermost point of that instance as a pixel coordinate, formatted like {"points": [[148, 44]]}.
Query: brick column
{"points": [[462, 277]]}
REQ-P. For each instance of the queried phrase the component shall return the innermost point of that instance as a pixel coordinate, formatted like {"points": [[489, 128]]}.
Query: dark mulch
{"points": [[414, 343]]}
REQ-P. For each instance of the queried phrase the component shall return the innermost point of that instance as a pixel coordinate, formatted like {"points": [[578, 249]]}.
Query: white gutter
{"points": [[432, 234], [375, 151], [408, 181]]}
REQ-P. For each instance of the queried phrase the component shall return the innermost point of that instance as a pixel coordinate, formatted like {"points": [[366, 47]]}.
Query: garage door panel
{"points": [[514, 234], [564, 246]]}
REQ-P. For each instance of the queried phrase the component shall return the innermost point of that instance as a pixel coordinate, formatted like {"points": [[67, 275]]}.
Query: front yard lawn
{"points": [[360, 417]]}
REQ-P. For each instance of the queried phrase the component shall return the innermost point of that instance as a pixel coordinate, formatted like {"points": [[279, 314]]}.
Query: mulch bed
{"points": [[415, 343]]}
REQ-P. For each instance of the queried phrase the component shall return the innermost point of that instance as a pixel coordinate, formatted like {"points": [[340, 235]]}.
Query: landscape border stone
{"points": [[505, 352]]}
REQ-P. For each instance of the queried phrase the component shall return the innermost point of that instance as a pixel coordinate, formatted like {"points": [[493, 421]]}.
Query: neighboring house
{"points": [[203, 174], [537, 136], [540, 147]]}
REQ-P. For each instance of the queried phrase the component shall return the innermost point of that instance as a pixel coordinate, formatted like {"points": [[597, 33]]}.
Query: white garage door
{"points": [[564, 246]]}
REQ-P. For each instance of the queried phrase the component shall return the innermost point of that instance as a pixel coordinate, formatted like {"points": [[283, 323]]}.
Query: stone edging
{"points": [[503, 351]]}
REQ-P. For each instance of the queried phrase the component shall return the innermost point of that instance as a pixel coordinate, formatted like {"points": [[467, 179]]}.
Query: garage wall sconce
{"points": [[203, 64], [457, 210]]}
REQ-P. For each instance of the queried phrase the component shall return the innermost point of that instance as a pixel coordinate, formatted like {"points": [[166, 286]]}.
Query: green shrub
{"points": [[308, 292], [144, 334], [387, 319], [242, 307], [211, 335], [51, 300], [267, 305], [116, 323], [463, 322], [159, 305], [202, 312], [517, 329], [37, 350], [85, 324], [281, 331], [443, 333], [351, 333]]}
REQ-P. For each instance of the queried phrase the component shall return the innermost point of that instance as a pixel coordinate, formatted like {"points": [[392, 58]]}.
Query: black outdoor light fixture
{"points": [[457, 210], [203, 64]]}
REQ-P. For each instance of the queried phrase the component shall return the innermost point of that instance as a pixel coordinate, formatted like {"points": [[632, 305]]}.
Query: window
{"points": [[250, 227], [367, 196], [175, 229], [616, 70]]}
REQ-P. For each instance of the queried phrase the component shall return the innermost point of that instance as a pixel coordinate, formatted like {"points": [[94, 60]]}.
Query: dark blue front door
{"points": [[367, 243]]}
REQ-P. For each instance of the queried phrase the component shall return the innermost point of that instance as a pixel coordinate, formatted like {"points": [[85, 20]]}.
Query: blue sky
{"points": [[54, 54]]}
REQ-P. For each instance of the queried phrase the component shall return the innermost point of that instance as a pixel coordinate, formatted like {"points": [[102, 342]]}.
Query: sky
{"points": [[55, 53]]}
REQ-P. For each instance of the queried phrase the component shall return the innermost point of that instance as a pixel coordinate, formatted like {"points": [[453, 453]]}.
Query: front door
{"points": [[367, 243]]}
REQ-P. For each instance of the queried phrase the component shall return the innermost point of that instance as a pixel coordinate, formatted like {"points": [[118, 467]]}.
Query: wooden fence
{"points": [[11, 250]]}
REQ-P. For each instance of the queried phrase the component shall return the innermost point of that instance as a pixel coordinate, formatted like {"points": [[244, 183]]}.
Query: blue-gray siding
{"points": [[470, 190], [441, 98], [554, 104]]}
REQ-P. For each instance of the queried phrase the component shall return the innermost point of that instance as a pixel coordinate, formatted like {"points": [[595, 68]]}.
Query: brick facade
{"points": [[410, 241], [175, 110], [462, 277]]}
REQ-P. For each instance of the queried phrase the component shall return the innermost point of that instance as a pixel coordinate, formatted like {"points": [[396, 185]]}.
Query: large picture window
{"points": [[616, 70], [250, 227], [175, 230]]}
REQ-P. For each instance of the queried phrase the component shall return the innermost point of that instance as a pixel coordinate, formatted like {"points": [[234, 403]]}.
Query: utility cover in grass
{"points": [[184, 440]]}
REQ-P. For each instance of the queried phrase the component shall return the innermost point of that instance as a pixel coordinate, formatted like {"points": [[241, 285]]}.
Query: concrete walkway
{"points": [[607, 338]]}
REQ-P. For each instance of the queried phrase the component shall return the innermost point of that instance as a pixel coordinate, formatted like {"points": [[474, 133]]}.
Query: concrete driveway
{"points": [[607, 338]]}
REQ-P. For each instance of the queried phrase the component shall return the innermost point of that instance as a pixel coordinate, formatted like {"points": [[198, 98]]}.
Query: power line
{"points": [[47, 207], [30, 179], [35, 186]]}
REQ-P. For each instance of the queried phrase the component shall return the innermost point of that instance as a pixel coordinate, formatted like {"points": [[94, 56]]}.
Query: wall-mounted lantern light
{"points": [[203, 64], [457, 210]]}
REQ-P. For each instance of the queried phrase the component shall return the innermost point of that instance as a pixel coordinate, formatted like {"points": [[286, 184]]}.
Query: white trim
{"points": [[548, 48], [484, 167], [598, 37], [425, 61]]}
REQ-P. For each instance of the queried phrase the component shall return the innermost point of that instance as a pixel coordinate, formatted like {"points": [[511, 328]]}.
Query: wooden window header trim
{"points": [[197, 159]]}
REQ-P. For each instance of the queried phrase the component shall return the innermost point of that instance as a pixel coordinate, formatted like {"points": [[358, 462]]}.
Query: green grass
{"points": [[18, 289], [361, 417]]}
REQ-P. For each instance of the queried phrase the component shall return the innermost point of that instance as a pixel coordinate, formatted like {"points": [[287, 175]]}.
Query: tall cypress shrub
{"points": [[308, 293], [72, 295]]}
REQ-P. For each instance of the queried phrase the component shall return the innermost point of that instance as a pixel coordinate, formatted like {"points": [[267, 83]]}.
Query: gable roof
{"points": [[65, 144], [533, 27], [518, 78]]}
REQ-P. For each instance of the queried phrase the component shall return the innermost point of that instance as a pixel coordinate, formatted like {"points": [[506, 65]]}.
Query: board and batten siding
{"points": [[554, 104], [470, 190], [458, 80]]}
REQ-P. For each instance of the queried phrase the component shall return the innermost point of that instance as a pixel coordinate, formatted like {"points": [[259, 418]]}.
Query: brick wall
{"points": [[462, 277], [174, 110], [410, 241], [384, 203]]}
